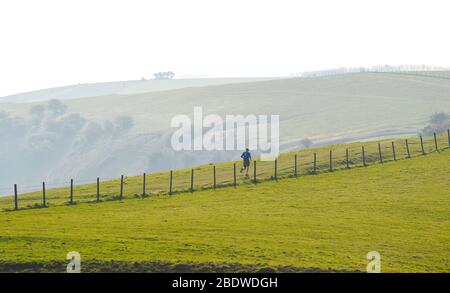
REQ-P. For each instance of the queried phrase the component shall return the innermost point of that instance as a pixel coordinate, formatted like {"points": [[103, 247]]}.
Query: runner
{"points": [[247, 157]]}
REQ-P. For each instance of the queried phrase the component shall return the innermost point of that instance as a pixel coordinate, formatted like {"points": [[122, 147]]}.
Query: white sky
{"points": [[50, 43]]}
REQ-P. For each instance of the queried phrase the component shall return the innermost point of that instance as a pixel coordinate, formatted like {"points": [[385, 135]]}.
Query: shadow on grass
{"points": [[28, 207], [94, 266]]}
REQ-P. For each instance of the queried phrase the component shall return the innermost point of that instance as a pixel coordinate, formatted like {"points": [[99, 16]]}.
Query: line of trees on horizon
{"points": [[377, 68], [164, 75]]}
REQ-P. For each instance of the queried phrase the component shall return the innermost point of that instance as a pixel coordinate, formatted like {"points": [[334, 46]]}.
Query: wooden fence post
{"points": [[71, 191], [295, 165], [234, 174], [421, 144], [170, 183], [331, 160], [363, 156], [254, 172], [276, 169], [192, 180], [315, 163], [346, 158], [98, 189], [121, 186], [16, 200], [407, 149], [435, 142], [44, 201], [380, 155], [448, 136], [144, 183], [393, 151], [214, 175]]}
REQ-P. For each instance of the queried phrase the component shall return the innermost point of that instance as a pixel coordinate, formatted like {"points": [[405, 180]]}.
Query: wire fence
{"points": [[292, 164]]}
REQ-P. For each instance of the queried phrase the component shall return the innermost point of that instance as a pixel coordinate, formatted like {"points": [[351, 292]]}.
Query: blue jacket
{"points": [[246, 155]]}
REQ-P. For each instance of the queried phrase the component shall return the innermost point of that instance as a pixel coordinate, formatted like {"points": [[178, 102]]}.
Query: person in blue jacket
{"points": [[247, 157]]}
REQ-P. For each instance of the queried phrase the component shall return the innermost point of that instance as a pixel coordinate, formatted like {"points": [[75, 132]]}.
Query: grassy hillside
{"points": [[328, 221], [319, 108], [159, 183], [326, 110]]}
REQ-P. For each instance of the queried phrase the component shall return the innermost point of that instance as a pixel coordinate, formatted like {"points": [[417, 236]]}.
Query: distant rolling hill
{"points": [[322, 108], [84, 90], [325, 110]]}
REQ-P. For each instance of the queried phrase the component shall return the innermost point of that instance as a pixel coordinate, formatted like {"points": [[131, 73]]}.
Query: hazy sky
{"points": [[50, 43]]}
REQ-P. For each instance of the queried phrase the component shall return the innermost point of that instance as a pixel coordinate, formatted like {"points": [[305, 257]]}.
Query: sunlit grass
{"points": [[159, 183], [326, 221]]}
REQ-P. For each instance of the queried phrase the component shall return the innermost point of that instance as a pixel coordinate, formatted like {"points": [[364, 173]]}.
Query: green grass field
{"points": [[329, 221]]}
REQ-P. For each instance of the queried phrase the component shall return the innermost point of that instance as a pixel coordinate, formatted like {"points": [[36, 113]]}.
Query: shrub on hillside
{"points": [[439, 122]]}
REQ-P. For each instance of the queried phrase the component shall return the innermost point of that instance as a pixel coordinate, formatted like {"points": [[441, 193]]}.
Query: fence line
{"points": [[290, 170]]}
